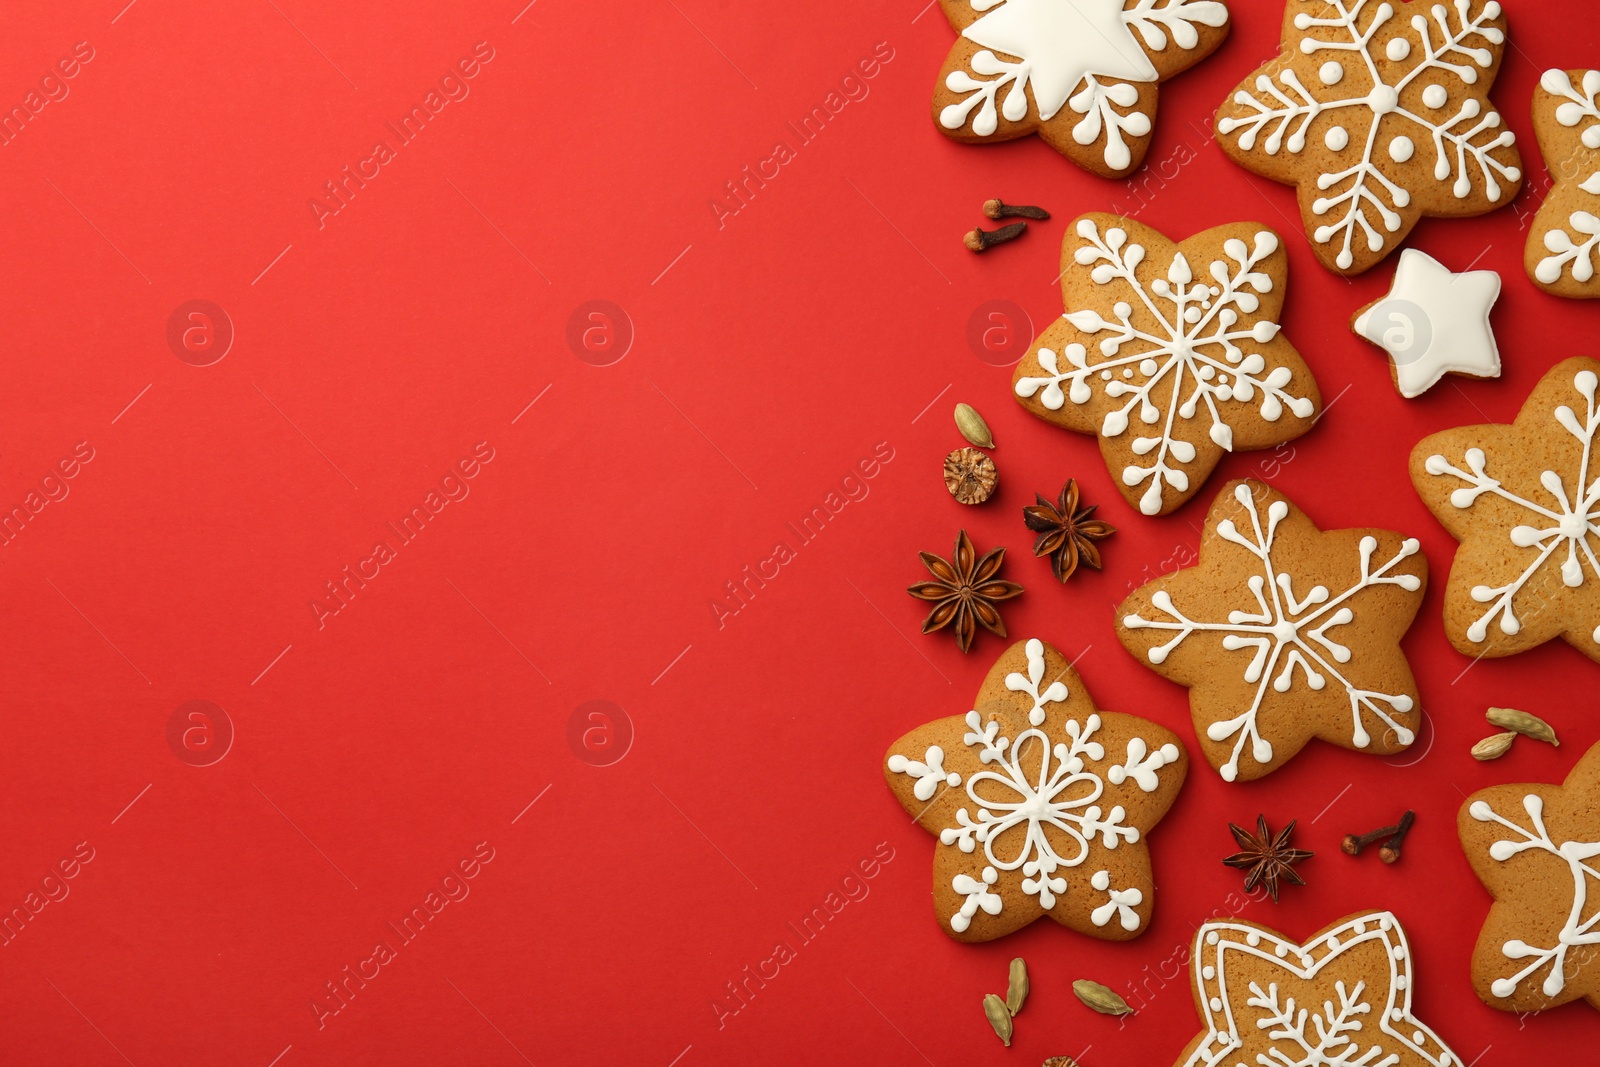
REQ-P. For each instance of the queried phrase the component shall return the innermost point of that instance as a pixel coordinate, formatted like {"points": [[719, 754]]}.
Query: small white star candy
{"points": [[1433, 323]]}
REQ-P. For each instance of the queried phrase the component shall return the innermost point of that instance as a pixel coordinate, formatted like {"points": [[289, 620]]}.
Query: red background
{"points": [[770, 353]]}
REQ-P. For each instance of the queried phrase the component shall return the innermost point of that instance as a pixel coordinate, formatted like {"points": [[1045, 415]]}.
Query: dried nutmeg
{"points": [[970, 475], [1060, 1061]]}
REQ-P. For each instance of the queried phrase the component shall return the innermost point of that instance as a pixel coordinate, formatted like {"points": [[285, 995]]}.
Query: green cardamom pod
{"points": [[1100, 998], [1523, 723], [999, 1017], [1017, 988], [1494, 746], [972, 426]]}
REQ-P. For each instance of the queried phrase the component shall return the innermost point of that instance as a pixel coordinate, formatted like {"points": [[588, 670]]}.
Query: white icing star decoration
{"points": [[1090, 65], [1341, 999], [1433, 323]]}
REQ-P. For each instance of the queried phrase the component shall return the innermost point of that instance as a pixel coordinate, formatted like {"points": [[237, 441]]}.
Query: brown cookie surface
{"points": [[1080, 74], [1564, 242], [1522, 500], [1284, 633], [1379, 115], [1535, 848], [1170, 352], [1040, 803], [1342, 996]]}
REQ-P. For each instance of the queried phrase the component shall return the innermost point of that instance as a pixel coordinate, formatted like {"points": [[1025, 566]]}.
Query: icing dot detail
{"points": [[1398, 49], [1401, 149], [1435, 96], [1330, 73], [1337, 138]]}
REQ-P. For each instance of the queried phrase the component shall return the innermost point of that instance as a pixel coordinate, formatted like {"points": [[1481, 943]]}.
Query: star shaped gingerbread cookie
{"points": [[1564, 242], [1342, 998], [1524, 501], [1080, 73], [1040, 802], [1170, 352], [1379, 114], [1433, 322], [1536, 848], [1284, 633]]}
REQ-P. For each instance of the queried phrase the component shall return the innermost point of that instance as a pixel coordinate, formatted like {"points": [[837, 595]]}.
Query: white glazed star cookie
{"points": [[1433, 322]]}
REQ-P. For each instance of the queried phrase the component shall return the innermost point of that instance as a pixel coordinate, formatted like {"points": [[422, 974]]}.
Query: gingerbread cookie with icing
{"points": [[1564, 243], [1536, 848], [1082, 74], [1379, 114], [1170, 352], [1342, 998], [1041, 803], [1524, 501], [1284, 633]]}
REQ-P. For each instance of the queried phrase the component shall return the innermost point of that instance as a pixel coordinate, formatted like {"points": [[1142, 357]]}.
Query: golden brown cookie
{"points": [[1536, 848], [1378, 113], [1342, 998], [1040, 802], [1563, 243], [1284, 633], [1170, 352], [1081, 74], [1524, 502]]}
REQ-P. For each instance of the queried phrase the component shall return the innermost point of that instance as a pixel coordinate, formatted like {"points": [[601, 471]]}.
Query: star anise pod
{"points": [[1067, 533], [964, 591], [1269, 859]]}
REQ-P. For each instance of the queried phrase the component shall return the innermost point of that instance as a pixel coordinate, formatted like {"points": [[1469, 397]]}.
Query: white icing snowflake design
{"points": [[1559, 526], [1081, 54], [1574, 254], [1579, 930], [1051, 791], [1359, 1026], [1289, 638], [1185, 355], [1374, 116]]}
